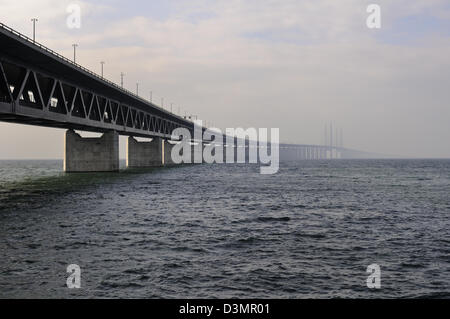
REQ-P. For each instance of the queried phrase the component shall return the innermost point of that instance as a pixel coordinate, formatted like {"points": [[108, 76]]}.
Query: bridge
{"points": [[41, 87]]}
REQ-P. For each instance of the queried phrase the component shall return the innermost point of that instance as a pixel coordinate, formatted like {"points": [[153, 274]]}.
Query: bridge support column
{"points": [[144, 154], [167, 153], [91, 154], [195, 150], [209, 149]]}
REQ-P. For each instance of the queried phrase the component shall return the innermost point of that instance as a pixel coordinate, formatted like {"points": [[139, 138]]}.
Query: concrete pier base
{"points": [[144, 154], [196, 151], [91, 154], [209, 149], [167, 151]]}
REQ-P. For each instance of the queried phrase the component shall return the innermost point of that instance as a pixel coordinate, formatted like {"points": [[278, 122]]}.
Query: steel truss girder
{"points": [[37, 98]]}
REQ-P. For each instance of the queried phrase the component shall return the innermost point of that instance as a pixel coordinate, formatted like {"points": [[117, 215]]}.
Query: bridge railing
{"points": [[56, 54]]}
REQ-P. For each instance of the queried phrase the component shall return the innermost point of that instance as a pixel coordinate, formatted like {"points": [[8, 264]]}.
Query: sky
{"points": [[288, 64]]}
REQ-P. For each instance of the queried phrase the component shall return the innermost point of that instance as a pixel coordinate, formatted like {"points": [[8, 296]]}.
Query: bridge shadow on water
{"points": [[35, 191]]}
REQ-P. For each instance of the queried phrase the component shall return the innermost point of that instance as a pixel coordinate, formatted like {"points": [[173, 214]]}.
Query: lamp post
{"points": [[137, 89], [75, 52], [121, 79], [102, 63], [34, 20]]}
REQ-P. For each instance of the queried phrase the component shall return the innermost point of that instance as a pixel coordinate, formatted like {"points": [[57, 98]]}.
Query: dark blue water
{"points": [[226, 231]]}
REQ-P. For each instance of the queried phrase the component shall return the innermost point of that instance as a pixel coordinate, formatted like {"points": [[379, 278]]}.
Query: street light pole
{"points": [[171, 107], [137, 89], [75, 52], [102, 63], [151, 96], [121, 79], [34, 20]]}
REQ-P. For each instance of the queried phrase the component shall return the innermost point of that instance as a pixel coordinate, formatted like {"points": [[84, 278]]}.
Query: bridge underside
{"points": [[55, 123]]}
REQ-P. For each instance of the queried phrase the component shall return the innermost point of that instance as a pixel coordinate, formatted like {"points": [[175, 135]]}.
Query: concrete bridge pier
{"points": [[167, 153], [197, 152], [323, 153], [302, 153], [91, 154], [144, 154], [209, 149]]}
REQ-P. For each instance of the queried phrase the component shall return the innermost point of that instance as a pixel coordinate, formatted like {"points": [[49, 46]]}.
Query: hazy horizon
{"points": [[293, 65]]}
